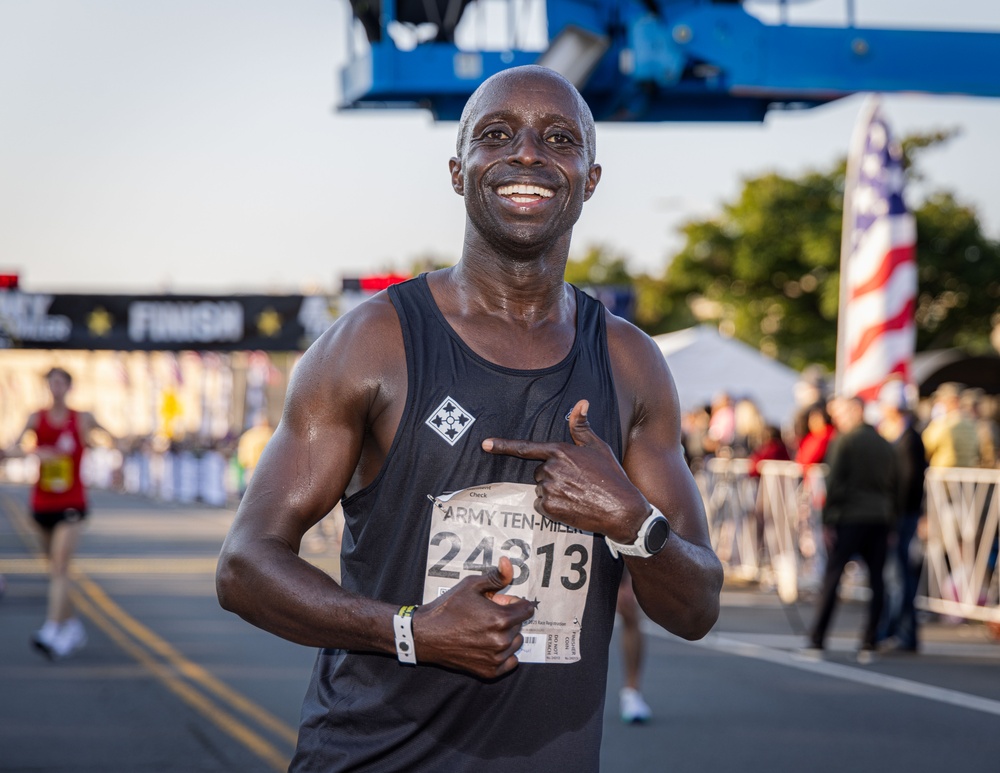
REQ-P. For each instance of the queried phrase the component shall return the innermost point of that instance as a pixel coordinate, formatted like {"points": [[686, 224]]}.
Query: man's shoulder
{"points": [[361, 344], [622, 334], [363, 324], [636, 359]]}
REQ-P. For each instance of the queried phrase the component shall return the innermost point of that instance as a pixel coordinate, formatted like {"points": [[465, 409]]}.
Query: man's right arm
{"points": [[344, 401], [302, 473]]}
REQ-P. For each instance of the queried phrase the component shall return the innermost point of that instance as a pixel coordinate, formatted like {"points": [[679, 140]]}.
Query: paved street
{"points": [[171, 682]]}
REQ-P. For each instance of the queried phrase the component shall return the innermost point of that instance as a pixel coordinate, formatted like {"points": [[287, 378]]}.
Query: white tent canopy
{"points": [[705, 363]]}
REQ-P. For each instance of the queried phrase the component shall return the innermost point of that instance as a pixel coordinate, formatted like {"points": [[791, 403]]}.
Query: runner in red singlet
{"points": [[59, 506]]}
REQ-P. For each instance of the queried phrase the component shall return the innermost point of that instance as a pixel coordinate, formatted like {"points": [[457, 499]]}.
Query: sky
{"points": [[195, 146]]}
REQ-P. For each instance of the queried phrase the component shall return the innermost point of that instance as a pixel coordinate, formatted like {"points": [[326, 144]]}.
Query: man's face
{"points": [[526, 171]]}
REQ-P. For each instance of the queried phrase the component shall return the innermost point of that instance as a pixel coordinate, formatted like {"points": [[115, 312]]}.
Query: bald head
{"points": [[509, 80]]}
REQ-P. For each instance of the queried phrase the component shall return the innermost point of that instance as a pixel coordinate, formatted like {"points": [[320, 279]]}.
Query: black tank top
{"points": [[367, 711]]}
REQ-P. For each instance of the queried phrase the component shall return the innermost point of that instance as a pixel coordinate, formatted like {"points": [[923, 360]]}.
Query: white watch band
{"points": [[637, 548], [402, 626]]}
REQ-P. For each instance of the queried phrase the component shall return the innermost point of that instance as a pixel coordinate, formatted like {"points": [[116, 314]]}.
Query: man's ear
{"points": [[457, 182], [593, 177]]}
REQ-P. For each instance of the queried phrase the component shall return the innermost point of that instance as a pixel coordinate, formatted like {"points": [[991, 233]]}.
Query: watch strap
{"points": [[637, 548], [402, 626]]}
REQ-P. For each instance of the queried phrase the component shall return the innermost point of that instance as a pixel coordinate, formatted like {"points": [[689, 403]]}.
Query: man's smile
{"points": [[521, 193]]}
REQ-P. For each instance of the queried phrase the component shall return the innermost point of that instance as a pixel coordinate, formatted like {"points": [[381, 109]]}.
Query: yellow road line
{"points": [[97, 606], [93, 565], [24, 566], [221, 718], [97, 565], [190, 669]]}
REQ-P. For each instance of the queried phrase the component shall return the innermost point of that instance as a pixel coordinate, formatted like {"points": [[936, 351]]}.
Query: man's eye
{"points": [[495, 134], [559, 138]]}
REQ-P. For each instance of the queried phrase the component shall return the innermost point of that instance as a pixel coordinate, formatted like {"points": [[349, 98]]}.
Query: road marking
{"points": [[129, 634], [785, 642], [186, 667], [97, 566], [867, 677], [220, 717]]}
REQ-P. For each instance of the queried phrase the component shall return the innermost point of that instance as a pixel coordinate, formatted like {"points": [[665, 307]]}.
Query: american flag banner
{"points": [[876, 331]]}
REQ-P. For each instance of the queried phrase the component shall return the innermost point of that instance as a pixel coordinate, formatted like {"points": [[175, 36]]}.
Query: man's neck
{"points": [[513, 313], [525, 290]]}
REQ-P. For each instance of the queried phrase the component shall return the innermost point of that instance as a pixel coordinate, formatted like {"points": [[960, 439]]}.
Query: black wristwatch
{"points": [[653, 535]]}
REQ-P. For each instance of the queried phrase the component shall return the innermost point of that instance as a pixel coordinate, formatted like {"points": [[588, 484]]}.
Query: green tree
{"points": [[767, 267], [598, 266], [959, 277]]}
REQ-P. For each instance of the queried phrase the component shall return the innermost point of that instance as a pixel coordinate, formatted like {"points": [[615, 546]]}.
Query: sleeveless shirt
{"points": [[367, 711], [59, 486]]}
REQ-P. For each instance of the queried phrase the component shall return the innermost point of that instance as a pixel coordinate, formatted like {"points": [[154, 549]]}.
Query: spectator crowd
{"points": [[873, 505]]}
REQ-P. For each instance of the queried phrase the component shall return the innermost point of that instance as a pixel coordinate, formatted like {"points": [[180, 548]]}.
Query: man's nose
{"points": [[527, 149]]}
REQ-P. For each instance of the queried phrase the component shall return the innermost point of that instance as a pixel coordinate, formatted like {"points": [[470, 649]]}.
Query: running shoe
{"points": [[71, 637], [866, 655], [44, 639], [634, 709]]}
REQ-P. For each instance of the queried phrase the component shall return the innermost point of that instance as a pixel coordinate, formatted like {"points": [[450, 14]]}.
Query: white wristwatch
{"points": [[653, 535]]}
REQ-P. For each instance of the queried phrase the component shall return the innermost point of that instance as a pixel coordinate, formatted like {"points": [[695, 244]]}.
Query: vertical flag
{"points": [[876, 331]]}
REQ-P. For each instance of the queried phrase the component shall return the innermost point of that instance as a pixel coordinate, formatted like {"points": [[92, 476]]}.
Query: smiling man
{"points": [[502, 444]]}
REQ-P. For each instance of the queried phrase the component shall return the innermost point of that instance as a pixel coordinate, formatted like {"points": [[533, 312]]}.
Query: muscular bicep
{"points": [[654, 454], [309, 461], [304, 469], [656, 465]]}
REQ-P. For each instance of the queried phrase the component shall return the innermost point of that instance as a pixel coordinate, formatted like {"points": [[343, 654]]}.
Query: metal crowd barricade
{"points": [[767, 529], [771, 532], [963, 520], [792, 502], [730, 497]]}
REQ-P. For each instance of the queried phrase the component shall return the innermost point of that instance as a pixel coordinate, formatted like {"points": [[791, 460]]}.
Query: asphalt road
{"points": [[171, 682]]}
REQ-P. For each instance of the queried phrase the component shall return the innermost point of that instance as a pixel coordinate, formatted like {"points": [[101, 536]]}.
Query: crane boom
{"points": [[665, 60]]}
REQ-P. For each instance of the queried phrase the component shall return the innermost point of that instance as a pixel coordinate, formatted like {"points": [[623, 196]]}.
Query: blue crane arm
{"points": [[679, 60]]}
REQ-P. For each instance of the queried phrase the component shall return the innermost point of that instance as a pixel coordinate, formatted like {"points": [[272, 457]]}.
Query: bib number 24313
{"points": [[471, 529]]}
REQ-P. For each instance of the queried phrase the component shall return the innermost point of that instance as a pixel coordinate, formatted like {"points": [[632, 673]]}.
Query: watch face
{"points": [[657, 535]]}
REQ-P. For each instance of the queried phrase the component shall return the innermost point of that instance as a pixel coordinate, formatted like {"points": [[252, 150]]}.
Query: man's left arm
{"points": [[679, 587]]}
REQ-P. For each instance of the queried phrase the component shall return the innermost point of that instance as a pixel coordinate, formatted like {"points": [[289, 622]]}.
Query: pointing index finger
{"points": [[525, 449]]}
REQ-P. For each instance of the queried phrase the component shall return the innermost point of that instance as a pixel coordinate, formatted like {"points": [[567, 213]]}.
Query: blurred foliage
{"points": [[429, 262], [598, 266], [767, 267], [958, 267]]}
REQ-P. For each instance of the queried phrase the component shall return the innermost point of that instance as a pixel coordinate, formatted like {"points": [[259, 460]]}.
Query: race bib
{"points": [[471, 529], [55, 475]]}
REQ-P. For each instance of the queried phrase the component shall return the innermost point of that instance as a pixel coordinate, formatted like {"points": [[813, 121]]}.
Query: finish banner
{"points": [[162, 322]]}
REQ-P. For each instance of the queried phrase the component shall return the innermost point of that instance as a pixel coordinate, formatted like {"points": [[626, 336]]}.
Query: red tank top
{"points": [[59, 486]]}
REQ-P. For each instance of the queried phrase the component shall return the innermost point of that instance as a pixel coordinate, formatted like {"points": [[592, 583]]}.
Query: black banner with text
{"points": [[162, 322]]}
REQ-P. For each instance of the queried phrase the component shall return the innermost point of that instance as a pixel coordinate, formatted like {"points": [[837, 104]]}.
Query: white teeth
{"points": [[525, 190]]}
